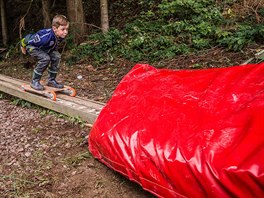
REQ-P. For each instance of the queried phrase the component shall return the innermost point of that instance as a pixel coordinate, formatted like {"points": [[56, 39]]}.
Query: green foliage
{"points": [[261, 11], [12, 51], [1, 96], [76, 160], [244, 35], [21, 102], [70, 42], [99, 47], [44, 112], [259, 34], [167, 28], [144, 41], [186, 9], [77, 121]]}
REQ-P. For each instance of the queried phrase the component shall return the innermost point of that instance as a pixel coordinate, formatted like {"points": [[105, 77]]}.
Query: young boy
{"points": [[43, 46]]}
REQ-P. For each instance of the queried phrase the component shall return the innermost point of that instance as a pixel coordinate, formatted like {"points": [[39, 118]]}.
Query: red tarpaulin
{"points": [[187, 133]]}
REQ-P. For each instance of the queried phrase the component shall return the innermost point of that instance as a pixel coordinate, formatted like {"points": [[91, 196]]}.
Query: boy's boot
{"points": [[52, 81], [35, 84]]}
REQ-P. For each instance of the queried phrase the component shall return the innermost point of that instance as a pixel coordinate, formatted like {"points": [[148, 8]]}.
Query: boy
{"points": [[43, 46]]}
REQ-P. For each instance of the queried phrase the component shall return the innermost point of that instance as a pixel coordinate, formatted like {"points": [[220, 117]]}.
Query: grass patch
{"points": [[76, 160]]}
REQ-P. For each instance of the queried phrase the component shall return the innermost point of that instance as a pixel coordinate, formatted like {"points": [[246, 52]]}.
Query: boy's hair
{"points": [[59, 20]]}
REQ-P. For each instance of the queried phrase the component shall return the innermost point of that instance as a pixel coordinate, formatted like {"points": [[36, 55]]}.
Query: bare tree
{"points": [[104, 15], [77, 19], [3, 23], [45, 13]]}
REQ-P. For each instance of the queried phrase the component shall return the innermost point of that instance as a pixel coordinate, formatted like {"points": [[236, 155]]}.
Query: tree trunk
{"points": [[104, 15], [45, 13], [77, 19], [3, 23]]}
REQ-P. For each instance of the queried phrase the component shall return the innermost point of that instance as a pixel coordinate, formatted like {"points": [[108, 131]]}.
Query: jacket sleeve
{"points": [[38, 39]]}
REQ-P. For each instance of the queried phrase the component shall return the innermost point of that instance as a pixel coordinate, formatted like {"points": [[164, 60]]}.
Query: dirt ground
{"points": [[44, 154]]}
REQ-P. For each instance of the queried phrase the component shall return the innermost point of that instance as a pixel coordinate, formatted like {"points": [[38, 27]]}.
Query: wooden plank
{"points": [[84, 109], [11, 80], [82, 101]]}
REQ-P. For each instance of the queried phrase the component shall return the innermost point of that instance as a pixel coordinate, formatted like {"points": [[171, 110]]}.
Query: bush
{"points": [[167, 28]]}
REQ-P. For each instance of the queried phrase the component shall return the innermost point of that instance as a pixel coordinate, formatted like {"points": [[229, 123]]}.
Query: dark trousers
{"points": [[45, 60]]}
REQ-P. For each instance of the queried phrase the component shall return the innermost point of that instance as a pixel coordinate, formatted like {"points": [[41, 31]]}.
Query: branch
{"points": [[22, 21]]}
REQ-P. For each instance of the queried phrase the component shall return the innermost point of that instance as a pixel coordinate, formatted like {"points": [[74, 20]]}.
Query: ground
{"points": [[44, 154]]}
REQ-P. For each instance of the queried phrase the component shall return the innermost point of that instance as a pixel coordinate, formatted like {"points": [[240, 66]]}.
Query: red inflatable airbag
{"points": [[188, 133]]}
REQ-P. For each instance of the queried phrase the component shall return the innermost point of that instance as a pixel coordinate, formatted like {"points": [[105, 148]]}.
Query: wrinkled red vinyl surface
{"points": [[196, 133]]}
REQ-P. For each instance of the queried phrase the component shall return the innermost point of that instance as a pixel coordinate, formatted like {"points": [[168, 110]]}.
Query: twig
{"points": [[254, 6]]}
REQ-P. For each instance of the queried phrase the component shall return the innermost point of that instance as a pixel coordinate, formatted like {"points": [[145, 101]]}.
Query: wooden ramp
{"points": [[87, 110]]}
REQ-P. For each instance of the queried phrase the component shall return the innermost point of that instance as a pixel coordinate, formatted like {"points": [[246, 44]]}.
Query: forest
{"points": [[43, 153], [144, 30]]}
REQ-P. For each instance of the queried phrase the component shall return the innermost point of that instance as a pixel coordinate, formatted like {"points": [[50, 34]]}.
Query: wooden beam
{"points": [[87, 110]]}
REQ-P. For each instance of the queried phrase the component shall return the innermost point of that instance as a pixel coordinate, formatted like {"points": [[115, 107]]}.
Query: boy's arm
{"points": [[37, 40], [42, 37]]}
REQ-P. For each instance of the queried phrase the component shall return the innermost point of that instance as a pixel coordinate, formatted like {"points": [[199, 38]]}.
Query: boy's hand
{"points": [[23, 50], [23, 46]]}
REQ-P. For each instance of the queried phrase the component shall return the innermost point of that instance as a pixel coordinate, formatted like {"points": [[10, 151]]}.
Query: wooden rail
{"points": [[87, 110]]}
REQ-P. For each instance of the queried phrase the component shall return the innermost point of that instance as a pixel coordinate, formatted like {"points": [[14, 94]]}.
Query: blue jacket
{"points": [[44, 39]]}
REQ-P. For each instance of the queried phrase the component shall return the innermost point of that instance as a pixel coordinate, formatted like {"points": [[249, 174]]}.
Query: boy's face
{"points": [[61, 31]]}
